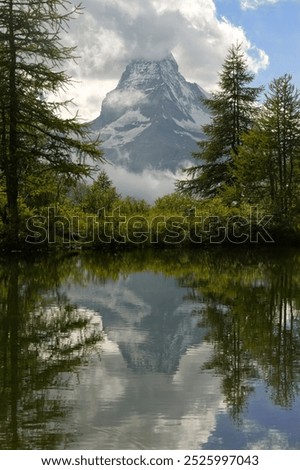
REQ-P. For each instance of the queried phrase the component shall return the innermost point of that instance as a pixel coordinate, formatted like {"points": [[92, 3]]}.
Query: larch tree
{"points": [[269, 164], [232, 109], [32, 57]]}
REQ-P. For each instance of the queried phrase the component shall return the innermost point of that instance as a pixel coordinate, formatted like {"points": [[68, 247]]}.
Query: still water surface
{"points": [[151, 349]]}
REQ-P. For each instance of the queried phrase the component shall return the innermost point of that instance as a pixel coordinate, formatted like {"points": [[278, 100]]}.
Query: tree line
{"points": [[252, 151]]}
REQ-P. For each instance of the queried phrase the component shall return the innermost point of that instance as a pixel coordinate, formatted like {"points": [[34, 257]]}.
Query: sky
{"points": [[110, 33]]}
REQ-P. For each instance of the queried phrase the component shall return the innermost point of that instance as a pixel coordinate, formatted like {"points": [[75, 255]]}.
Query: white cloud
{"points": [[124, 98], [117, 402], [257, 59], [253, 4], [112, 32], [148, 185], [116, 399]]}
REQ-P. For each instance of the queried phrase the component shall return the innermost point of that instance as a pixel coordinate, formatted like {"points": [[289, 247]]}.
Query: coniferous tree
{"points": [[268, 167], [101, 194], [31, 60], [232, 109]]}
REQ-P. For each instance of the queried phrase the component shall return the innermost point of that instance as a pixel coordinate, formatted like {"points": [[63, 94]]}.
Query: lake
{"points": [[151, 349]]}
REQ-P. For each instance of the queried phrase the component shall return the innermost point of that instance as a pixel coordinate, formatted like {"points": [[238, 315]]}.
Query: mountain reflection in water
{"points": [[151, 349]]}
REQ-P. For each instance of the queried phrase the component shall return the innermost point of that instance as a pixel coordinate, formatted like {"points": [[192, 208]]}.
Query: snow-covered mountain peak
{"points": [[153, 116], [141, 73]]}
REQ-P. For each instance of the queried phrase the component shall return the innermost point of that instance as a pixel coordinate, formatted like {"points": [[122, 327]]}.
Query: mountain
{"points": [[153, 118], [152, 327]]}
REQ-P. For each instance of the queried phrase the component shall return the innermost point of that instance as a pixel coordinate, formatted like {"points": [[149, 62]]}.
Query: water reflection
{"points": [[254, 324], [43, 339], [200, 350], [241, 308]]}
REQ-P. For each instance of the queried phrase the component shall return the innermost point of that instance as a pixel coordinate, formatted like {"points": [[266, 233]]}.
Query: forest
{"points": [[243, 187]]}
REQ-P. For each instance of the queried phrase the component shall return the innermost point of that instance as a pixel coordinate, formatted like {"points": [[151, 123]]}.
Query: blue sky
{"points": [[273, 27], [199, 33]]}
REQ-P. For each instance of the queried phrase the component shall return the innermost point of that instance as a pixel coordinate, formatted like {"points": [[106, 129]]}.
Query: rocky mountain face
{"points": [[153, 118]]}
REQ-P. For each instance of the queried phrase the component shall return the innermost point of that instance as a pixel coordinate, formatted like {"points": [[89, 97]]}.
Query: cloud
{"points": [[124, 98], [110, 33], [257, 59], [148, 185], [117, 393], [117, 402], [253, 4]]}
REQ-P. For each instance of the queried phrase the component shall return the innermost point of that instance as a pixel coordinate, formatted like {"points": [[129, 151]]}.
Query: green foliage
{"points": [[252, 153], [44, 339], [175, 203], [232, 110], [32, 132], [100, 194], [132, 206], [267, 168], [251, 170]]}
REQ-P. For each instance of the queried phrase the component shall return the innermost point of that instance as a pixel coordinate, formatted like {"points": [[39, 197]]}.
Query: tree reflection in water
{"points": [[249, 300], [44, 339], [250, 303]]}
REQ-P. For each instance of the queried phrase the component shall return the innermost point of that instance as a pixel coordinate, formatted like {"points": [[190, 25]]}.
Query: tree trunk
{"points": [[12, 186]]}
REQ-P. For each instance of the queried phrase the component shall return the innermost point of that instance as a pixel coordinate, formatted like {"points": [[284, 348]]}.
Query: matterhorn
{"points": [[153, 118]]}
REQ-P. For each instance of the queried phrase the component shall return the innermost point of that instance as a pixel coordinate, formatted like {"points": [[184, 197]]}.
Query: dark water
{"points": [[151, 349]]}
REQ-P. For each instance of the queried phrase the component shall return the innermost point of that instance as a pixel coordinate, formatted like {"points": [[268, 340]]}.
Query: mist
{"points": [[149, 185]]}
